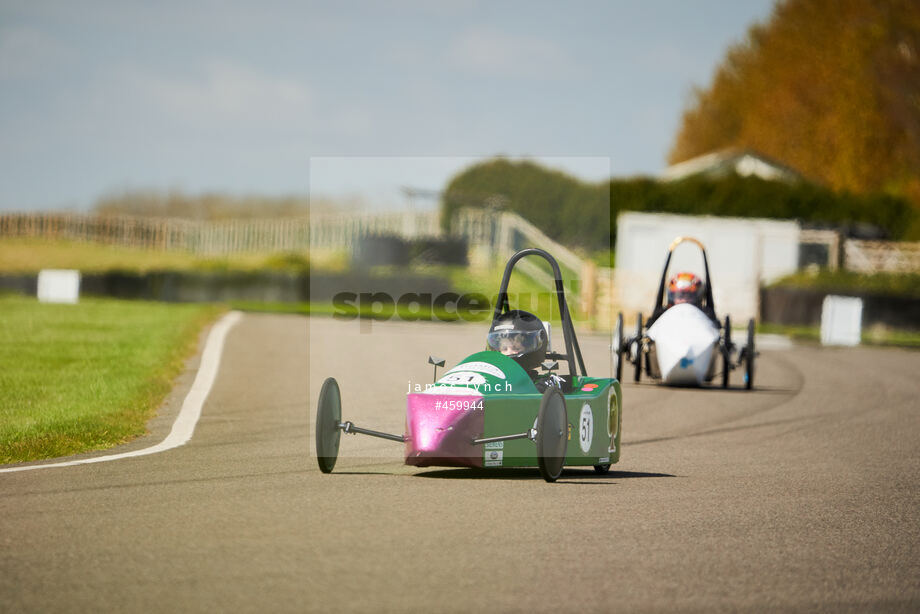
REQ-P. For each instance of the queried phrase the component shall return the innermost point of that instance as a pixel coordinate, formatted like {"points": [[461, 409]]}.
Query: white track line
{"points": [[184, 426]]}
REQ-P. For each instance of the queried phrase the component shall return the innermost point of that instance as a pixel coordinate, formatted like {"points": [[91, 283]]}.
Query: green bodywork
{"points": [[511, 405]]}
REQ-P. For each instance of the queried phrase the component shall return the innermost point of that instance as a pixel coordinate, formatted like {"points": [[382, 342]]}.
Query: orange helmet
{"points": [[685, 288]]}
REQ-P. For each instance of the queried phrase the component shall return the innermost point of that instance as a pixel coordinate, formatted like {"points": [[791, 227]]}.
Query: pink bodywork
{"points": [[439, 436]]}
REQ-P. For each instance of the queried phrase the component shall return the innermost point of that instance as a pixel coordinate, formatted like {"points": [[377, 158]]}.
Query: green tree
{"points": [[583, 215], [570, 211]]}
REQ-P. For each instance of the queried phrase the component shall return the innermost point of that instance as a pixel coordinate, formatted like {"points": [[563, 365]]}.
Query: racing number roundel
{"points": [[585, 428]]}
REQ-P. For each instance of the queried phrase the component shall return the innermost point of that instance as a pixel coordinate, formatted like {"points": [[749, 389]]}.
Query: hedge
{"points": [[576, 213]]}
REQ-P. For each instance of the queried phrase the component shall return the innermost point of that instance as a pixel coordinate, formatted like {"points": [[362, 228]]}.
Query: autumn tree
{"points": [[830, 87]]}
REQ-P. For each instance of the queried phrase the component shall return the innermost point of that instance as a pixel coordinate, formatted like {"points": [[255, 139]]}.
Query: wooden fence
{"points": [[221, 237], [881, 256], [498, 233], [492, 236], [341, 231]]}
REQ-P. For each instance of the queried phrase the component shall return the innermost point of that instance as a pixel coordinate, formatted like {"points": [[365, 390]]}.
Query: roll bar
{"points": [[572, 350], [708, 305]]}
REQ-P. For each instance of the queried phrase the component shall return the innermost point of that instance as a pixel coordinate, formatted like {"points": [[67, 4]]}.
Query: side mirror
{"points": [[550, 365], [437, 362]]}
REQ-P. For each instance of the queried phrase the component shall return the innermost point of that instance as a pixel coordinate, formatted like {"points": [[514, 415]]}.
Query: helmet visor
{"points": [[684, 296], [515, 342]]}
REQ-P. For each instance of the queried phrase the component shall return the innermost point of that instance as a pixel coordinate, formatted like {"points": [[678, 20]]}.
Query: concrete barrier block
{"points": [[58, 286], [841, 320]]}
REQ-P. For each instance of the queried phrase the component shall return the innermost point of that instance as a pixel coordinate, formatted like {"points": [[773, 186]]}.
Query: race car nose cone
{"points": [[441, 428]]}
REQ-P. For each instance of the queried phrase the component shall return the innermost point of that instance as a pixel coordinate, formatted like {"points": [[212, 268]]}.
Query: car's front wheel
{"points": [[551, 436], [328, 416]]}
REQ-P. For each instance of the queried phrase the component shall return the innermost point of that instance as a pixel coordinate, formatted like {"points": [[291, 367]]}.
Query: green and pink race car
{"points": [[503, 407]]}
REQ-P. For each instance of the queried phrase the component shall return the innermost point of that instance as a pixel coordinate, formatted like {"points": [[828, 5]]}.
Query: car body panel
{"points": [[684, 342], [490, 395]]}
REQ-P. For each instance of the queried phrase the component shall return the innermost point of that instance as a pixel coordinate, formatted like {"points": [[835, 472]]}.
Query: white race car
{"points": [[683, 343]]}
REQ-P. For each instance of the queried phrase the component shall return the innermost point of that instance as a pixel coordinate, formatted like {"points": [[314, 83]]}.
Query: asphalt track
{"points": [[801, 495]]}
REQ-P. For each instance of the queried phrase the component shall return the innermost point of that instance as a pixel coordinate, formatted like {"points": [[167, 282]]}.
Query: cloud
{"points": [[486, 50], [27, 52], [224, 92]]}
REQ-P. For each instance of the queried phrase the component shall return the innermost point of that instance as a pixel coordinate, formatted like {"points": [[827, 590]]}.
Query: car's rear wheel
{"points": [[616, 349], [328, 417], [551, 438], [638, 373], [727, 352], [749, 355]]}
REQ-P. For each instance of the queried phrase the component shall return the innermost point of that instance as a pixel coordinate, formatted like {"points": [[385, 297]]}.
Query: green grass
{"points": [[89, 376], [890, 284], [523, 293], [905, 285], [33, 255], [873, 335], [800, 333], [604, 257]]}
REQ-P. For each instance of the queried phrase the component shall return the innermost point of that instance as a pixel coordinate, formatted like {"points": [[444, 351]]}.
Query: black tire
{"points": [[617, 350], [727, 352], [638, 373], [602, 469], [552, 434], [328, 417], [749, 355]]}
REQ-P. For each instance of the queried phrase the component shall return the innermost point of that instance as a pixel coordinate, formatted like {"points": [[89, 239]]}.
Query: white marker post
{"points": [[841, 320], [59, 286]]}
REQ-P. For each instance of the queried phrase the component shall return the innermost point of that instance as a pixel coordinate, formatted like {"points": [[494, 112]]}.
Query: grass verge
{"points": [[32, 255], [873, 335], [478, 289], [887, 284], [85, 377]]}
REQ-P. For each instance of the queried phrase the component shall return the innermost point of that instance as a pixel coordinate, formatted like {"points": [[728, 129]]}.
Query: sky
{"points": [[343, 98]]}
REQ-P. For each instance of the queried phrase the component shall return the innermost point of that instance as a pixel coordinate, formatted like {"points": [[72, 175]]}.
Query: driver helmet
{"points": [[519, 335], [685, 288]]}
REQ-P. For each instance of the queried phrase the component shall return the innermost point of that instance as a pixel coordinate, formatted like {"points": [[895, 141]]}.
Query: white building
{"points": [[744, 162], [743, 254]]}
